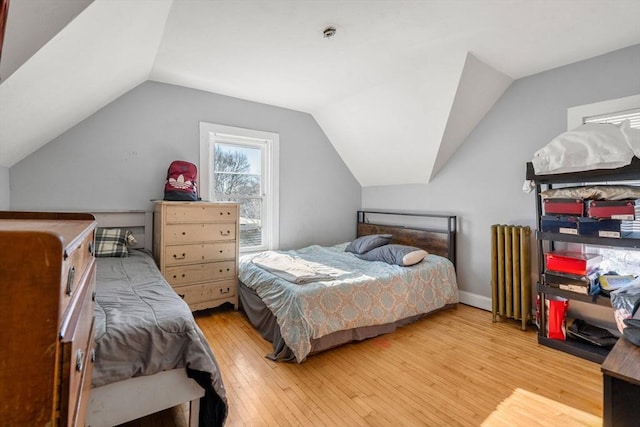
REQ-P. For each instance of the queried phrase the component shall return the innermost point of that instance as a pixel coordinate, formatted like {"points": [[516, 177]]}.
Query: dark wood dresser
{"points": [[47, 287], [621, 384]]}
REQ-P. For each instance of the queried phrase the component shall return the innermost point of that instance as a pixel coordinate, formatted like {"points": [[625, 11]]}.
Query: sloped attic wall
{"points": [[404, 130], [118, 158], [482, 183]]}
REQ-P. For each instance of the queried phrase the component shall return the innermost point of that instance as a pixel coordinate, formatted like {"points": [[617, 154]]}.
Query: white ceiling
{"points": [[403, 80]]}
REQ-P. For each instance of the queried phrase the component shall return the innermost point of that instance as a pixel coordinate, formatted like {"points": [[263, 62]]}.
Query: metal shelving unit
{"points": [[628, 173]]}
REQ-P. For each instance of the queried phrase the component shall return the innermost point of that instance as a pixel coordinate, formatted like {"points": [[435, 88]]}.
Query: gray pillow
{"points": [[396, 254], [366, 243]]}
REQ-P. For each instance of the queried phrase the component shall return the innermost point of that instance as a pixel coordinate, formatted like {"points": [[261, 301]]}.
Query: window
{"points": [[583, 113], [612, 111], [241, 165]]}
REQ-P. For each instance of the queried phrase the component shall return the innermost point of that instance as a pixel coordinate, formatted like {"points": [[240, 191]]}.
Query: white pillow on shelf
{"points": [[587, 147], [632, 136]]}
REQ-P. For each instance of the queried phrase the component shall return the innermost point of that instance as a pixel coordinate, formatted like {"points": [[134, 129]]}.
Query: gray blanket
{"points": [[143, 327]]}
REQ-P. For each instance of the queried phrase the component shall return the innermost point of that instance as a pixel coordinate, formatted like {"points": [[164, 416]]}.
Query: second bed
{"points": [[353, 298]]}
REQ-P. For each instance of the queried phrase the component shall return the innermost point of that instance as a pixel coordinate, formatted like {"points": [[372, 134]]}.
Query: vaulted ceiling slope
{"points": [[396, 90]]}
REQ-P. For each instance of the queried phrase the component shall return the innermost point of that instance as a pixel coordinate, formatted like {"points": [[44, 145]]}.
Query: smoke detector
{"points": [[329, 32]]}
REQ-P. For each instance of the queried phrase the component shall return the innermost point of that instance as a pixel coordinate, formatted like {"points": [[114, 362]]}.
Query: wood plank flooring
{"points": [[451, 368]]}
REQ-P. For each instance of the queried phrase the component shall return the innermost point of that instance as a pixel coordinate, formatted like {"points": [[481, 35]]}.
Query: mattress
{"points": [[366, 294], [142, 327]]}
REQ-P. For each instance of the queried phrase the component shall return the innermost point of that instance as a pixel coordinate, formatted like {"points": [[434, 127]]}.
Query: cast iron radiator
{"points": [[511, 272]]}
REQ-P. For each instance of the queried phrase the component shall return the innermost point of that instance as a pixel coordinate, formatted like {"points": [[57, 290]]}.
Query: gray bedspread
{"points": [[143, 327]]}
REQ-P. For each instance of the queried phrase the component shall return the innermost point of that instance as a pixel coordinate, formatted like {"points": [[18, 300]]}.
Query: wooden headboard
{"points": [[434, 233], [140, 223]]}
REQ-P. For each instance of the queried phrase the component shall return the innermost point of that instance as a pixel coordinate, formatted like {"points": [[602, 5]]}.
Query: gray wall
{"points": [[482, 183], [118, 159], [4, 188]]}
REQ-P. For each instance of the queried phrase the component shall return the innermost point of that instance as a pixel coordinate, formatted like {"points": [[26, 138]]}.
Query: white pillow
{"points": [[587, 147], [632, 136]]}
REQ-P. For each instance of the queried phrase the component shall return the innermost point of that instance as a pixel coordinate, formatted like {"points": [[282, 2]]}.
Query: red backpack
{"points": [[182, 181]]}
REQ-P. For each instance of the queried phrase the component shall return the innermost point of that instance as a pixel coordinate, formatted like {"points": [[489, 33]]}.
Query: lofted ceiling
{"points": [[397, 89]]}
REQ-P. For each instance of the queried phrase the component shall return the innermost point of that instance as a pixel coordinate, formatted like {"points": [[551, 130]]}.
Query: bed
{"points": [[150, 353], [356, 299]]}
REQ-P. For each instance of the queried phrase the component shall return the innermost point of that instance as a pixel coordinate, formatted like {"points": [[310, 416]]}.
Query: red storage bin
{"points": [[572, 262], [563, 206], [612, 209]]}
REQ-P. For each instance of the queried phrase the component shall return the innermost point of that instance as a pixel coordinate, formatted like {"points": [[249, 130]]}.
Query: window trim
{"points": [[577, 114], [271, 210]]}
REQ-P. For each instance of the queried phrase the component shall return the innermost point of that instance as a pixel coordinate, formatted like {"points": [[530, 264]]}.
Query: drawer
{"points": [[200, 213], [187, 233], [85, 384], [194, 273], [77, 345], [73, 268], [194, 294], [184, 254]]}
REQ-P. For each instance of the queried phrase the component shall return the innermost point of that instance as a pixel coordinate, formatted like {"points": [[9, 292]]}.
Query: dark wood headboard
{"points": [[438, 238]]}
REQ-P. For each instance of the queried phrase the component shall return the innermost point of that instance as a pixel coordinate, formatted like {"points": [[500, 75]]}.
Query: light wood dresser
{"points": [[196, 244], [47, 288]]}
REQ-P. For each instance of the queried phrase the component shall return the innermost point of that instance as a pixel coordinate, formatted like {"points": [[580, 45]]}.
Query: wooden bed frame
{"points": [[434, 232], [127, 400]]}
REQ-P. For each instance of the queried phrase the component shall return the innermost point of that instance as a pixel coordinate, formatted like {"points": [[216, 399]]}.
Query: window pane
{"points": [[250, 221], [237, 170], [616, 118]]}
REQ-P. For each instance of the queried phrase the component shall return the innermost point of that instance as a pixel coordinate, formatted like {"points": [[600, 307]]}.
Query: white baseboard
{"points": [[475, 300]]}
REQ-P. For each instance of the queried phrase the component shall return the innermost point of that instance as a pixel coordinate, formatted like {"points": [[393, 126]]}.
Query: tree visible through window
{"points": [[241, 165], [238, 178]]}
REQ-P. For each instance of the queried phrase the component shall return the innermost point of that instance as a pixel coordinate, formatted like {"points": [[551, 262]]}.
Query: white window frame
{"points": [[210, 133], [577, 115]]}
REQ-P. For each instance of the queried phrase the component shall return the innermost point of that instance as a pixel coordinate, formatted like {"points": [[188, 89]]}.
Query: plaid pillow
{"points": [[111, 242]]}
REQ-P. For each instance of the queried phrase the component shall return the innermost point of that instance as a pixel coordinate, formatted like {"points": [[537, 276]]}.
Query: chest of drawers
{"points": [[195, 244], [47, 267]]}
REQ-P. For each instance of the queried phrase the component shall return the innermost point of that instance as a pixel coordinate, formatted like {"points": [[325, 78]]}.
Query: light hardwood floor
{"points": [[452, 368]]}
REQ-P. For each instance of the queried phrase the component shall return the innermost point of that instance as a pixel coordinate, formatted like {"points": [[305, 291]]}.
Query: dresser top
{"points": [[623, 362], [195, 202], [67, 230]]}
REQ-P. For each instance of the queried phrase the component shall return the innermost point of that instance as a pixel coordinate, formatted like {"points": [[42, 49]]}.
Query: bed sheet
{"points": [[364, 293]]}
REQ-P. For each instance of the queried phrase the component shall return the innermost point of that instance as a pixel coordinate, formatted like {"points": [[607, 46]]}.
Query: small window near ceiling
{"points": [[240, 165], [633, 115], [614, 111]]}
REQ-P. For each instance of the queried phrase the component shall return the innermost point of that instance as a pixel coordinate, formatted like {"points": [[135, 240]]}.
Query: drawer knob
{"points": [[225, 292], [220, 250], [183, 256], [181, 295], [221, 213], [79, 360], [72, 273], [222, 233], [184, 233]]}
